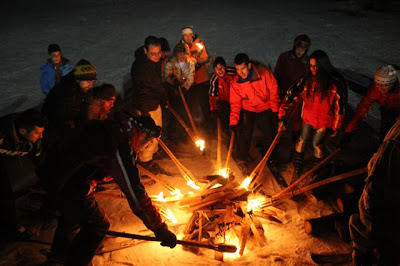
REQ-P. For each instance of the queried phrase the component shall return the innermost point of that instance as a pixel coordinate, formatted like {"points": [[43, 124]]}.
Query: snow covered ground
{"points": [[107, 33]]}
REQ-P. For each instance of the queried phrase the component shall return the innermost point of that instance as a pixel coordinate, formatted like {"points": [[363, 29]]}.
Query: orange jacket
{"points": [[202, 59], [257, 95]]}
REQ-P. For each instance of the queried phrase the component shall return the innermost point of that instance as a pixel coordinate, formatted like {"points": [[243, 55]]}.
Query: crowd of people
{"points": [[78, 135]]}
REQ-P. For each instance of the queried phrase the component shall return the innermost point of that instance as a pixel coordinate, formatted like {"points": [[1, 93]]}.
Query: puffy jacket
{"points": [[390, 100], [220, 88], [100, 147], [173, 70], [48, 75], [12, 144], [202, 61], [257, 95], [288, 69], [317, 112]]}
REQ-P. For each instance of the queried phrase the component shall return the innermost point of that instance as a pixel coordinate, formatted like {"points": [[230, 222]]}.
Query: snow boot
{"points": [[298, 165]]}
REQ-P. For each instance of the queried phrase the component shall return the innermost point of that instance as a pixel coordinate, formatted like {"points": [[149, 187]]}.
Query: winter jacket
{"points": [[256, 95], [288, 69], [202, 61], [101, 147], [50, 75], [390, 100], [219, 88], [66, 105], [148, 91], [317, 112], [184, 74]]}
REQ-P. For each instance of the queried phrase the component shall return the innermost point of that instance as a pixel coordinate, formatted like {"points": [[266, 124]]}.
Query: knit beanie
{"points": [[53, 48], [187, 29], [385, 76], [302, 41], [85, 71], [105, 92]]}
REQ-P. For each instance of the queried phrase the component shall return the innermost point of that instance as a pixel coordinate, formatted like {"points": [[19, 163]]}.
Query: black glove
{"points": [[346, 139], [168, 239], [234, 128], [198, 66]]}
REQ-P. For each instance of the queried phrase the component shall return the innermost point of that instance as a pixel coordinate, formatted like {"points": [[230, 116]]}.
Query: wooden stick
{"points": [[327, 181], [196, 132], [262, 163], [180, 120], [219, 136], [200, 225], [218, 247], [312, 170], [228, 155], [182, 169], [152, 176]]}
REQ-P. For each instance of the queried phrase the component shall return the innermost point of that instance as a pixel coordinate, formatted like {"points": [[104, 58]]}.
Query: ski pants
{"points": [[318, 137]]}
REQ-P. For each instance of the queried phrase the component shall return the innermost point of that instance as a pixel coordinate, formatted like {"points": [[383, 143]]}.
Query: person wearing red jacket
{"points": [[218, 93], [108, 147], [385, 90], [254, 98], [322, 109]]}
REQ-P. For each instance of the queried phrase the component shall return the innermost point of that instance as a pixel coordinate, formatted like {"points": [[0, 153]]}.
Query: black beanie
{"points": [[53, 48], [85, 71]]}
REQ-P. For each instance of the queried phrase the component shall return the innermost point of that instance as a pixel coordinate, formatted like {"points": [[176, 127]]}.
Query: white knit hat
{"points": [[187, 29]]}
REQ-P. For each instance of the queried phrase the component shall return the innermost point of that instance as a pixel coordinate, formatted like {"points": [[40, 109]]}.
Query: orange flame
{"points": [[246, 183], [192, 184], [201, 144], [161, 197], [224, 172], [256, 203], [200, 46]]}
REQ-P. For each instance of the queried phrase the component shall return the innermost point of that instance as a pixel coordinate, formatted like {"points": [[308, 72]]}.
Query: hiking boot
{"points": [[298, 165]]}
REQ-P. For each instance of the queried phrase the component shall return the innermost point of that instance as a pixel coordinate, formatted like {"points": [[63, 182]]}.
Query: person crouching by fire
{"points": [[106, 146], [323, 108], [102, 101]]}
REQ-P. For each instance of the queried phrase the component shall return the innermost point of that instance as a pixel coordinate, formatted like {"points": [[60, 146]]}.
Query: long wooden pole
{"points": [[309, 172], [152, 176], [180, 120], [219, 137], [182, 169], [229, 154], [196, 132], [321, 183]]}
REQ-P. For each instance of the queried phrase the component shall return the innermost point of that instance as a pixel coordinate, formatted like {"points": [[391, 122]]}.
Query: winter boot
{"points": [[298, 165]]}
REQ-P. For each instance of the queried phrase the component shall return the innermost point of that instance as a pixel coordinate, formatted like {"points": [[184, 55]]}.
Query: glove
{"points": [[197, 66], [168, 239], [346, 139], [283, 124], [234, 128]]}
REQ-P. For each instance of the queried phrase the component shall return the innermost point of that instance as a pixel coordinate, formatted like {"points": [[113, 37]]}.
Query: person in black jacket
{"points": [[107, 147], [20, 145], [148, 93], [66, 104]]}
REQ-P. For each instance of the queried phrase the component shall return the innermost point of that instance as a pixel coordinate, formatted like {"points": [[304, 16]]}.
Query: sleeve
{"points": [[189, 74], [291, 99], [68, 67], [235, 101], [339, 108], [169, 73], [126, 175], [362, 109], [273, 89], [44, 81]]}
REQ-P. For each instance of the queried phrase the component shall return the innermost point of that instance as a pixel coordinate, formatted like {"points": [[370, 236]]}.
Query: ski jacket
{"points": [[219, 88], [50, 75], [390, 100], [202, 61], [13, 145], [66, 105], [317, 112], [256, 95], [288, 69], [101, 146], [148, 90], [184, 74]]}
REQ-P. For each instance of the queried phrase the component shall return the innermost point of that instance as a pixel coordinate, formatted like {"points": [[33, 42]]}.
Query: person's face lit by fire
{"points": [[153, 53], [243, 70], [181, 57], [86, 85], [55, 57], [220, 70], [187, 38], [313, 66], [106, 105], [32, 136]]}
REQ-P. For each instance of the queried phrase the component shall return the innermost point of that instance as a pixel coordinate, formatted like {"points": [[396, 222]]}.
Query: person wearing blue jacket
{"points": [[55, 68]]}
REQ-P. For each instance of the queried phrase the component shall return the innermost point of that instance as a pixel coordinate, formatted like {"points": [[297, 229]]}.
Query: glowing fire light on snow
{"points": [[167, 214], [201, 144], [232, 239], [224, 172], [192, 184], [246, 183], [161, 198], [200, 46], [255, 204]]}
